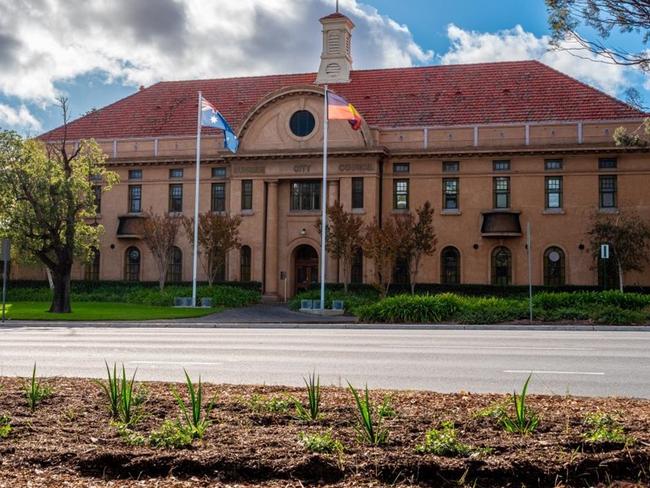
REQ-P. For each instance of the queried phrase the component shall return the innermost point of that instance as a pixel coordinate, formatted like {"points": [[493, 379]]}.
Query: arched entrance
{"points": [[305, 267]]}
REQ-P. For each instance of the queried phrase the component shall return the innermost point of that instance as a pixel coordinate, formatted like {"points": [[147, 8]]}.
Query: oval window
{"points": [[302, 123]]}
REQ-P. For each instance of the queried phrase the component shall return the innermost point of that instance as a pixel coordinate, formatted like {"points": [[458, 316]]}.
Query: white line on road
{"points": [[591, 373], [182, 363]]}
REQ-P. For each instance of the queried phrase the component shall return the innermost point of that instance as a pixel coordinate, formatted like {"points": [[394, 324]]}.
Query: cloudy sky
{"points": [[98, 51]]}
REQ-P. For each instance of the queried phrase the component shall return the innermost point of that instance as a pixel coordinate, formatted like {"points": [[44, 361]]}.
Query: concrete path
{"points": [[580, 363], [269, 314]]}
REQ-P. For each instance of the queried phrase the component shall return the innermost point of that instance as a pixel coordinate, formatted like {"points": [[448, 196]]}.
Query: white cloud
{"points": [[517, 44], [19, 118], [43, 42]]}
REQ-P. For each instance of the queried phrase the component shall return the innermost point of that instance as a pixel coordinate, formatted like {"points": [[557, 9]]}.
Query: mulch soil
{"points": [[69, 442]]}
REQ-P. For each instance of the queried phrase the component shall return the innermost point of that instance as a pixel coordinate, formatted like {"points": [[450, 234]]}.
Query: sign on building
{"points": [[604, 251]]}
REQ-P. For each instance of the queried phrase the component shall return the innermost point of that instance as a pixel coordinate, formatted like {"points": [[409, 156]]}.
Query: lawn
{"points": [[91, 311]]}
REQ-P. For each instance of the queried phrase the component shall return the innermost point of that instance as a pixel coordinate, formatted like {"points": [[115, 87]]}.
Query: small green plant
{"points": [[322, 443], [523, 421], [603, 427], [387, 410], [496, 410], [311, 413], [443, 442], [193, 420], [122, 396], [129, 436], [369, 426], [171, 435], [5, 426], [275, 404], [35, 391]]}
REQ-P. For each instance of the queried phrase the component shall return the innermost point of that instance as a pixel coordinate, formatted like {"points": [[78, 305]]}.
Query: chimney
{"points": [[335, 60]]}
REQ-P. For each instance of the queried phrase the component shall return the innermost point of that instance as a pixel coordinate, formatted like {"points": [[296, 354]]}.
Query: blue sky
{"points": [[109, 48]]}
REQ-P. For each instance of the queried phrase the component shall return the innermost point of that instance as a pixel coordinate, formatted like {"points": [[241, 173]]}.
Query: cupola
{"points": [[335, 60]]}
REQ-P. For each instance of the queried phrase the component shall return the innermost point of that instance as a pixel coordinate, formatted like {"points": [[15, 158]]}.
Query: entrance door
{"points": [[306, 267]]}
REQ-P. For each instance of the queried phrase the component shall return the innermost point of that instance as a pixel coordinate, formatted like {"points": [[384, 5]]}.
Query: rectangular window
{"points": [[401, 167], [607, 163], [501, 165], [400, 194], [135, 198], [97, 196], [219, 172], [553, 164], [175, 198], [305, 195], [502, 192], [247, 194], [218, 197], [357, 192], [450, 166], [135, 174], [553, 192], [176, 173], [450, 193], [608, 190]]}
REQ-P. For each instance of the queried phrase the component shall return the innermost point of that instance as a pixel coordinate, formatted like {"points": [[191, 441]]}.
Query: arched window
{"points": [[175, 265], [554, 267], [501, 266], [356, 272], [245, 263], [450, 266], [91, 272], [132, 260]]}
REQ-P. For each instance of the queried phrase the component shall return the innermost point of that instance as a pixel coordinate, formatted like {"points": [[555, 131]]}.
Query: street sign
{"points": [[604, 251]]}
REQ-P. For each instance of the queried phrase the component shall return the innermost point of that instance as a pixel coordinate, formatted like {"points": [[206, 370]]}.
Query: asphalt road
{"points": [[575, 362]]}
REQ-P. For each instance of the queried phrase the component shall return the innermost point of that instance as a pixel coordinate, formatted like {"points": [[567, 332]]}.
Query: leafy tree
{"points": [[343, 237], [382, 245], [628, 237], [159, 235], [602, 17], [218, 235], [418, 239], [47, 201]]}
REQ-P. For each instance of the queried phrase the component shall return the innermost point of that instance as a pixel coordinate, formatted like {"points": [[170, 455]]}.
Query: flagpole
{"points": [[323, 250], [195, 253]]}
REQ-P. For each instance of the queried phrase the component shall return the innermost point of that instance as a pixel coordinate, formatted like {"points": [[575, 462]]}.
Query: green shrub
{"points": [[412, 309], [321, 443], [611, 315], [491, 310], [587, 299], [443, 442], [193, 420], [603, 427], [524, 421], [171, 435], [311, 413]]}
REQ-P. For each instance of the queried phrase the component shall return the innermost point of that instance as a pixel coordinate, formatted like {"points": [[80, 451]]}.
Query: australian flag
{"points": [[211, 117]]}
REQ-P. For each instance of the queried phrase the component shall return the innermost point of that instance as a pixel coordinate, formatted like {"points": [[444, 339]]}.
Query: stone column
{"points": [[271, 278]]}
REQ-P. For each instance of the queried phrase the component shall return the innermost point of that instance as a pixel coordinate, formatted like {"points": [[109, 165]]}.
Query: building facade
{"points": [[492, 146]]}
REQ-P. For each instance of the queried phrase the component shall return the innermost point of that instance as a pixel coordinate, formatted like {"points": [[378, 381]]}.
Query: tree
{"points": [[159, 235], [602, 17], [343, 237], [418, 239], [218, 235], [47, 201], [628, 237], [382, 245]]}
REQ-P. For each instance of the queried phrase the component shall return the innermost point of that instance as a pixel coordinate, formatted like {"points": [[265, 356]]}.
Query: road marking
{"points": [[182, 363], [589, 373], [451, 346]]}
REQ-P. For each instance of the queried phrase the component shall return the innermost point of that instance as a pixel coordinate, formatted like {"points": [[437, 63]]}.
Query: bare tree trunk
{"points": [[61, 296], [620, 277], [346, 273]]}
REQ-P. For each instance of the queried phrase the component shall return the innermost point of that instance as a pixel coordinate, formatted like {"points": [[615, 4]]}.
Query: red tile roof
{"points": [[520, 91]]}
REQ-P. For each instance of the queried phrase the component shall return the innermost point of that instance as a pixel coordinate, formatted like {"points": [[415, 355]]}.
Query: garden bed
{"points": [[254, 440]]}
